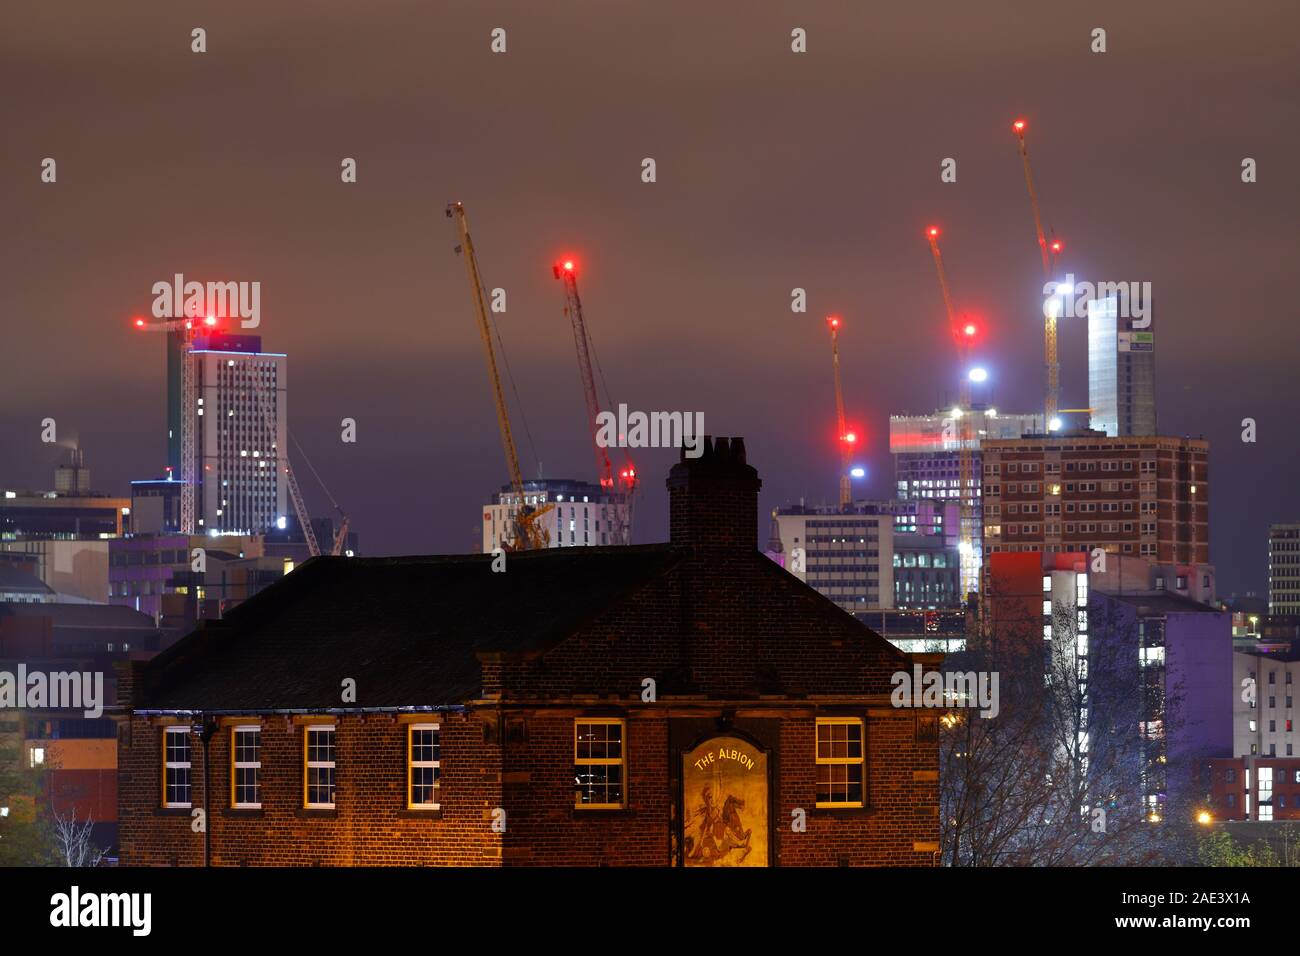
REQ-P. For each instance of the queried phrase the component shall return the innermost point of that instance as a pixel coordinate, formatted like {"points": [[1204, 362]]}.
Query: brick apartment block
{"points": [[508, 718], [1076, 491]]}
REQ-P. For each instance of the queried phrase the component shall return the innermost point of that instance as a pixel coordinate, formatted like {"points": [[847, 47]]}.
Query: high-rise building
{"points": [[927, 555], [1284, 569], [241, 438], [1264, 692], [1261, 780], [1127, 650], [583, 514], [927, 463], [927, 449], [1121, 372], [847, 555], [1083, 490]]}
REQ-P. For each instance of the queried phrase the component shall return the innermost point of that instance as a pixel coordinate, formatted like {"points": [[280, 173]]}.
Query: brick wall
{"points": [[370, 826]]}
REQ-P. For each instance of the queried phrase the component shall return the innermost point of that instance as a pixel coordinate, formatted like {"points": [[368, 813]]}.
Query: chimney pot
{"points": [[713, 499]]}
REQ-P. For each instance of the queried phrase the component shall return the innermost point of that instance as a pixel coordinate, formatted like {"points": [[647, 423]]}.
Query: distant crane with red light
{"points": [[964, 334], [192, 329], [1049, 255], [847, 439], [566, 270], [528, 533]]}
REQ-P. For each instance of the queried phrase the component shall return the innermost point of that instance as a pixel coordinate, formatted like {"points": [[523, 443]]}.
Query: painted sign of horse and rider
{"points": [[724, 804]]}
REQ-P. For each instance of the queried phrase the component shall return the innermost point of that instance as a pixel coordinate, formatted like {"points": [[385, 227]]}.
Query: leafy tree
{"points": [[1220, 848], [25, 837]]}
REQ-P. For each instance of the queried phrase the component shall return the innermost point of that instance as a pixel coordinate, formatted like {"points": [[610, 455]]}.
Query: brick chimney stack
{"points": [[713, 499]]}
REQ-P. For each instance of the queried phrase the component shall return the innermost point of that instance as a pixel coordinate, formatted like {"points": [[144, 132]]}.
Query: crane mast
{"points": [[290, 479], [969, 548], [189, 329], [1048, 256], [528, 533], [845, 438], [189, 401], [566, 272]]}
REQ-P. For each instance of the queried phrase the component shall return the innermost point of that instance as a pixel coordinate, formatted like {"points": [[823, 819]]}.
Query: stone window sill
{"points": [[842, 813], [316, 813], [408, 814]]}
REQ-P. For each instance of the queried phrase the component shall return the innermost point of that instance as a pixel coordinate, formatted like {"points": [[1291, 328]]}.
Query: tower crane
{"points": [[847, 439], [566, 271], [1049, 254], [191, 328], [345, 522], [295, 492], [963, 333], [528, 532]]}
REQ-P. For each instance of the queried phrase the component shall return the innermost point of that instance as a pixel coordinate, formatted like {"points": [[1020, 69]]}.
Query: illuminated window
{"points": [[176, 766], [318, 766], [841, 762], [598, 763], [423, 767], [246, 766]]}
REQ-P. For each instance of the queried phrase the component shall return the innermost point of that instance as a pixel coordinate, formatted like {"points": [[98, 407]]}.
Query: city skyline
{"points": [[773, 173]]}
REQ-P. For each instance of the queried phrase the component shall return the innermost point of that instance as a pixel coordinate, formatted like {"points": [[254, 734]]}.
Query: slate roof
{"points": [[408, 629], [1163, 602], [14, 579], [99, 617]]}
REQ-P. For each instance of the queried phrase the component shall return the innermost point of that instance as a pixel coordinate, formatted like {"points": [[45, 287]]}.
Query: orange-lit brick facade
{"points": [[688, 645]]}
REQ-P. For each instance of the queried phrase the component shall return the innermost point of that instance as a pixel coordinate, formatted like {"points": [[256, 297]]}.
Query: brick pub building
{"points": [[688, 703]]}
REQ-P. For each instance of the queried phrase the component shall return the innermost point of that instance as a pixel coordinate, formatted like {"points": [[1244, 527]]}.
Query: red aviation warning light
{"points": [[851, 438], [833, 321], [1057, 246], [970, 330], [932, 232], [1019, 127], [565, 268], [139, 323]]}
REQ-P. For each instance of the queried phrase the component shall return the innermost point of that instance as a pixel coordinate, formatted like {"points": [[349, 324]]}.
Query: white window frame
{"points": [[184, 730], [236, 765], [412, 764], [309, 765]]}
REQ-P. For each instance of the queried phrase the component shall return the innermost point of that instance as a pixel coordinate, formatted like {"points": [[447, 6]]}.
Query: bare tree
{"points": [[73, 841], [1060, 776]]}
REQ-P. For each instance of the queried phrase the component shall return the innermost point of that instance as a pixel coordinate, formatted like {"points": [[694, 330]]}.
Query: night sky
{"points": [[775, 170]]}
